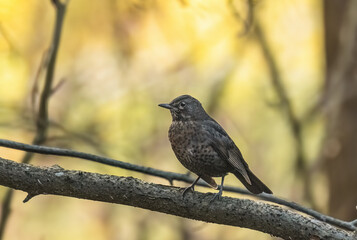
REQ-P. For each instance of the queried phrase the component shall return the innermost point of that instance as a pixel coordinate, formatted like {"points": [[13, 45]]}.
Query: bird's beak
{"points": [[165, 105]]}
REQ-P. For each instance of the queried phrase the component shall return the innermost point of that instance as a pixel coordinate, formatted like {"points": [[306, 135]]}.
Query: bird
{"points": [[204, 147]]}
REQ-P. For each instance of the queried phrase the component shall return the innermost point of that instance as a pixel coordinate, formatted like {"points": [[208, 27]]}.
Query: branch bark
{"points": [[245, 213], [171, 176]]}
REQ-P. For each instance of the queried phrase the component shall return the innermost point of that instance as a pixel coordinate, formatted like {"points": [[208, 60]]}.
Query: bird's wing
{"points": [[225, 147]]}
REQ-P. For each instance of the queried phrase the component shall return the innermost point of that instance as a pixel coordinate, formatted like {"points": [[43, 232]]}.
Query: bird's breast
{"points": [[192, 148], [182, 134], [186, 134]]}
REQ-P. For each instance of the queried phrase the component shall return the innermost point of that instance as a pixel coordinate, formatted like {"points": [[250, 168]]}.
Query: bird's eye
{"points": [[182, 105]]}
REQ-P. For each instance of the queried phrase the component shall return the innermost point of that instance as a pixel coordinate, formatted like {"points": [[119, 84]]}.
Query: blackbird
{"points": [[204, 147]]}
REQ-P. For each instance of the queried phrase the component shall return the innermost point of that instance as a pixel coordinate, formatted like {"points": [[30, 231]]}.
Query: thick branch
{"points": [[170, 176], [133, 192]]}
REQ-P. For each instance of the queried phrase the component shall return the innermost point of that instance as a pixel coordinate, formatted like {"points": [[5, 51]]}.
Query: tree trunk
{"points": [[340, 148]]}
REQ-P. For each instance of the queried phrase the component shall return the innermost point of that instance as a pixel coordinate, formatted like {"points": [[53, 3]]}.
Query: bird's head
{"points": [[185, 108]]}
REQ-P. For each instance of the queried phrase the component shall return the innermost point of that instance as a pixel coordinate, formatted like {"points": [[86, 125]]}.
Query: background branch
{"points": [[245, 213], [248, 21], [42, 117], [8, 39], [294, 123], [171, 176]]}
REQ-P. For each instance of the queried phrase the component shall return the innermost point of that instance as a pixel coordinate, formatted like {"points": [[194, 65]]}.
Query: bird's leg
{"points": [[219, 194], [191, 187]]}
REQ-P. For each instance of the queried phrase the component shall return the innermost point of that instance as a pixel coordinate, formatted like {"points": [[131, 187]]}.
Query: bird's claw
{"points": [[217, 196], [190, 188]]}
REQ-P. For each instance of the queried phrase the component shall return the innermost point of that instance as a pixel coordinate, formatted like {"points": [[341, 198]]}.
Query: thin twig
{"points": [[42, 120], [34, 90], [79, 136], [170, 176]]}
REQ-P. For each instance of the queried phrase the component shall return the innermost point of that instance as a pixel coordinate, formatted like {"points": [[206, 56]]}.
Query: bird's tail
{"points": [[256, 187]]}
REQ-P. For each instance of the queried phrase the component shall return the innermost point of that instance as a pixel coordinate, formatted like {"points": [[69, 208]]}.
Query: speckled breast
{"points": [[192, 148]]}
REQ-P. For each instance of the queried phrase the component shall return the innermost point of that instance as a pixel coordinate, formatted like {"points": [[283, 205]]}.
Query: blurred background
{"points": [[280, 77]]}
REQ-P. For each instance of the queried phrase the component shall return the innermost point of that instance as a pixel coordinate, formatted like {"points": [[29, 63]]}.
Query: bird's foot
{"points": [[216, 196], [190, 188]]}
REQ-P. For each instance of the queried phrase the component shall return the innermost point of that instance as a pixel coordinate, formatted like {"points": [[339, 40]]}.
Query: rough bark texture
{"points": [[340, 148], [245, 213]]}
